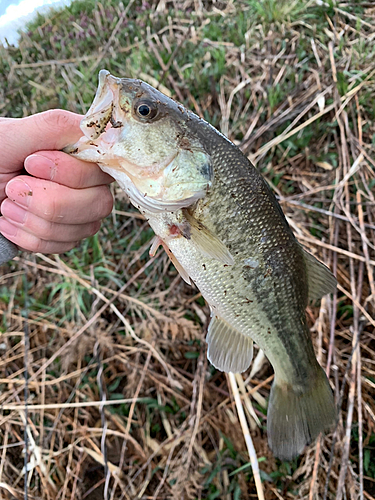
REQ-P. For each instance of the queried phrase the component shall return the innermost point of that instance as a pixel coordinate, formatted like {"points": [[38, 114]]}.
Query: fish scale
{"points": [[223, 229], [243, 307]]}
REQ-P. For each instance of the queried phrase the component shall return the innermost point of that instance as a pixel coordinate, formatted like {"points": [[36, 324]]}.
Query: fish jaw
{"points": [[100, 111], [157, 162], [146, 203]]}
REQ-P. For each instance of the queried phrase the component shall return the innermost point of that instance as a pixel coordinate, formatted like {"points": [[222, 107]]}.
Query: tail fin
{"points": [[296, 417]]}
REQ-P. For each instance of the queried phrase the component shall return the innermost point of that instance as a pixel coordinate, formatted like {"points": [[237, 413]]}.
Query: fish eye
{"points": [[146, 110]]}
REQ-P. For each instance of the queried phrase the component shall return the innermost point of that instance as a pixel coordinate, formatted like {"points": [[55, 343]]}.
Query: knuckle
{"points": [[94, 228], [56, 247], [51, 211], [56, 118], [9, 125], [80, 176], [45, 231], [40, 228], [106, 202], [69, 246], [37, 245]]}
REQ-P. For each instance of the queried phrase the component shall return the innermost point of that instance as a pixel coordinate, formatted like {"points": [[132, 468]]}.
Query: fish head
{"points": [[141, 137]]}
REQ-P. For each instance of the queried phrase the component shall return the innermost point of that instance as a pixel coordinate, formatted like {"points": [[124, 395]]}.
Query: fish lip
{"points": [[100, 113], [102, 87]]}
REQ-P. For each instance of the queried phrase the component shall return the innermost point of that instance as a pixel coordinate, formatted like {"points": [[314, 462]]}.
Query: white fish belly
{"points": [[229, 295]]}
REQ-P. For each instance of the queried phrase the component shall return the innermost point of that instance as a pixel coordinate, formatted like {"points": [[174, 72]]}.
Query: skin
{"points": [[63, 199]]}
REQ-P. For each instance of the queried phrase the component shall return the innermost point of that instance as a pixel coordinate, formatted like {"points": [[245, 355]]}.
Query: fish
{"points": [[225, 232]]}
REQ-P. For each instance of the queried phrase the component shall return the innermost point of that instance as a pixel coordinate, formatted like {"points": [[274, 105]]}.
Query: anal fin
{"points": [[228, 349]]}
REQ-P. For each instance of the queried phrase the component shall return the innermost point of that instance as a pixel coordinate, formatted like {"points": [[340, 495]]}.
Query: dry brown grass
{"points": [[121, 401]]}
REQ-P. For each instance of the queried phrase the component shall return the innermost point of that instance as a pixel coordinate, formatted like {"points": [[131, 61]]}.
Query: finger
{"points": [[56, 203], [4, 179], [64, 169], [32, 243], [43, 229], [53, 129]]}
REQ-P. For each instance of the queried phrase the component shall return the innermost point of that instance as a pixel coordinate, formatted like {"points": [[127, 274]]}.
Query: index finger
{"points": [[64, 169]]}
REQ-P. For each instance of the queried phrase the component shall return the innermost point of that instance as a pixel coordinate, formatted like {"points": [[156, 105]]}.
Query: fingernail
{"points": [[13, 212], [37, 165], [7, 229], [19, 192]]}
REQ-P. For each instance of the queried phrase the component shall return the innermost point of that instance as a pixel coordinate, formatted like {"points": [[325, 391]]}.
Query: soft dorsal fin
{"points": [[228, 349], [320, 279], [207, 242]]}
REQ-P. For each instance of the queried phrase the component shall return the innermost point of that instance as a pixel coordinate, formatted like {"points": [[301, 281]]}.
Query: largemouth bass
{"points": [[223, 229]]}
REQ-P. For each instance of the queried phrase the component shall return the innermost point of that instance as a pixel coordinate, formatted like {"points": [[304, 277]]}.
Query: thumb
{"points": [[52, 129]]}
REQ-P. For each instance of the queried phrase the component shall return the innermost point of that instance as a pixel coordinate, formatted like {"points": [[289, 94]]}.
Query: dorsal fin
{"points": [[320, 279], [228, 349]]}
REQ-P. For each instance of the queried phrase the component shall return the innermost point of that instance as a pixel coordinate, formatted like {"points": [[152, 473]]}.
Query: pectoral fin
{"points": [[207, 242], [228, 349], [320, 279]]}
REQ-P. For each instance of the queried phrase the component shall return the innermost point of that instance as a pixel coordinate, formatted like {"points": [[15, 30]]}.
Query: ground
{"points": [[293, 84]]}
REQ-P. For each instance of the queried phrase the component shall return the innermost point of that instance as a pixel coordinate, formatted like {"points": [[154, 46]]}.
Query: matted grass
{"points": [[116, 338]]}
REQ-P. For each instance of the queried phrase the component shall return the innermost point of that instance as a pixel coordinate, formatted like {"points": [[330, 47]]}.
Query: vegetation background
{"points": [[292, 82]]}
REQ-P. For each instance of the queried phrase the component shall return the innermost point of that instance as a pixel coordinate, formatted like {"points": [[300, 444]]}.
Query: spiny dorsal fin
{"points": [[207, 242], [320, 279], [228, 349]]}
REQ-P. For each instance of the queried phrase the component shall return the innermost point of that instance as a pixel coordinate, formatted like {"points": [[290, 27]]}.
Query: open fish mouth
{"points": [[103, 110], [104, 118]]}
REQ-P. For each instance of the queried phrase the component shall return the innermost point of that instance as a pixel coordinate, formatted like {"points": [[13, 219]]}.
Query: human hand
{"points": [[63, 199]]}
